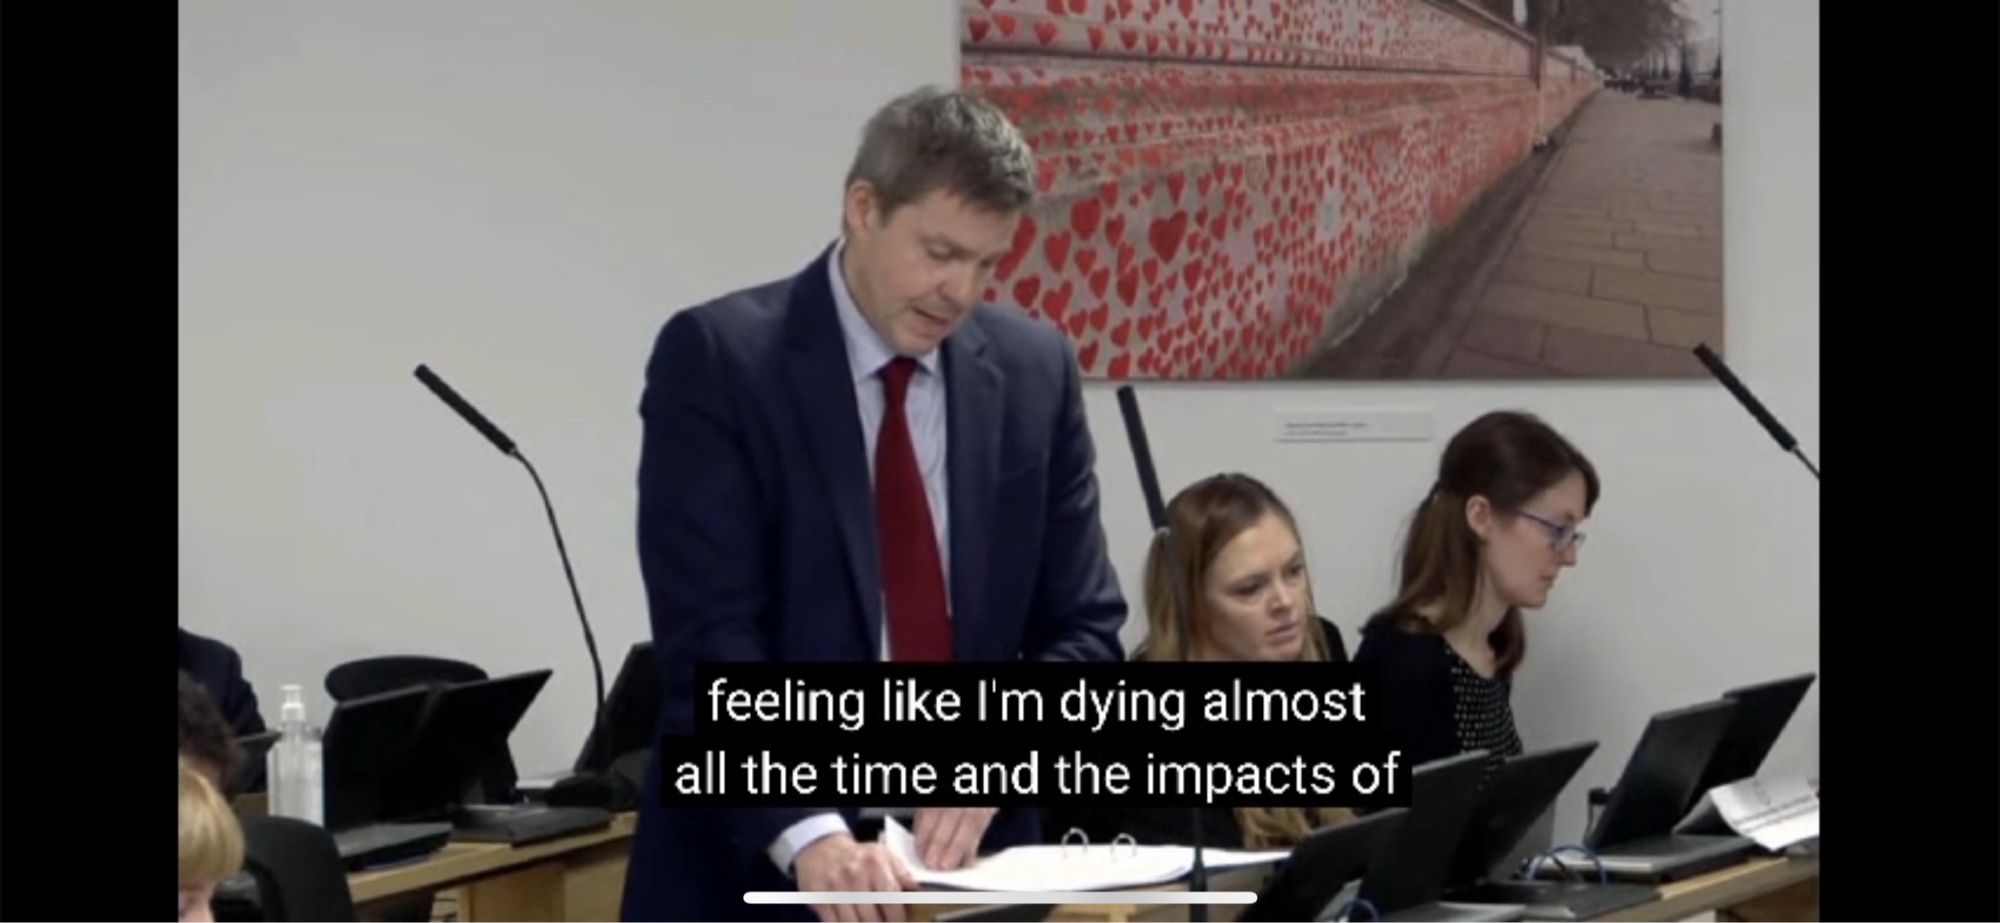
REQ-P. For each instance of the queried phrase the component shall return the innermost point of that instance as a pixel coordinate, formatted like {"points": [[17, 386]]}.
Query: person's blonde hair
{"points": [[1202, 519], [211, 838]]}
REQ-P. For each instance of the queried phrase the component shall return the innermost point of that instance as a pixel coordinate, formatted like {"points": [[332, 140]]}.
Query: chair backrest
{"points": [[298, 870], [375, 675]]}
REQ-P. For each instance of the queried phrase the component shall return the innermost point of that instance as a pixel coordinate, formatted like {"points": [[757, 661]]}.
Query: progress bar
{"points": [[999, 897]]}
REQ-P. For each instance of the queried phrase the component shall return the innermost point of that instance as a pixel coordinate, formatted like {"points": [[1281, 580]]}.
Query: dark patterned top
{"points": [[1481, 710], [1430, 702]]}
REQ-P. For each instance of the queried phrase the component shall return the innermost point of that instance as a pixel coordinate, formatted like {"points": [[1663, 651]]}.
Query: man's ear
{"points": [[862, 208]]}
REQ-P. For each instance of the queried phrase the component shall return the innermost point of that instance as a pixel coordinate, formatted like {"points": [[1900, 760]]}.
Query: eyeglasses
{"points": [[1561, 537]]}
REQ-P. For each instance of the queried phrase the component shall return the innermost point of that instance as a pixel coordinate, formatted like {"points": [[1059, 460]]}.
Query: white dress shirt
{"points": [[924, 408]]}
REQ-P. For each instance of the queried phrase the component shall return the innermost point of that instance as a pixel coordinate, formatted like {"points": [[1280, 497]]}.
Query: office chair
{"points": [[374, 675], [298, 871]]}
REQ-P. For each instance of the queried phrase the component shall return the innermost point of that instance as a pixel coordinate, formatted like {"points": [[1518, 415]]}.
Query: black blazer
{"points": [[219, 670]]}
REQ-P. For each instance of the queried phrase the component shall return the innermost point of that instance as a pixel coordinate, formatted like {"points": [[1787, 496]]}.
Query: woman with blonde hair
{"points": [[1237, 558], [211, 843]]}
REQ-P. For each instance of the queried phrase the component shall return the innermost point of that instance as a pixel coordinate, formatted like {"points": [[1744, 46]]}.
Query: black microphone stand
{"points": [[608, 791], [1163, 536]]}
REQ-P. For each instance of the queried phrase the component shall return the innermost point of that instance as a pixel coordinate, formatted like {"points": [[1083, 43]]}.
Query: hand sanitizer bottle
{"points": [[293, 764]]}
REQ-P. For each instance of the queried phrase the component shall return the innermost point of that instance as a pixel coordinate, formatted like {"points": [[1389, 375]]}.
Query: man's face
{"points": [[916, 272]]}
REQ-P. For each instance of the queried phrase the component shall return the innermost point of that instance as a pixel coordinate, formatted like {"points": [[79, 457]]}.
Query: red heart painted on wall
{"points": [[1128, 285], [1087, 356], [1006, 23], [1084, 215], [1026, 290], [978, 28], [1123, 332], [1099, 280], [1024, 236], [1165, 235], [1056, 248], [1086, 258], [1121, 366], [1047, 32], [1056, 303]]}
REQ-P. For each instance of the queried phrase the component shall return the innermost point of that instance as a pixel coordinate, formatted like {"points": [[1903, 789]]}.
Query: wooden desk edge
{"points": [[459, 862], [1713, 891], [1722, 888]]}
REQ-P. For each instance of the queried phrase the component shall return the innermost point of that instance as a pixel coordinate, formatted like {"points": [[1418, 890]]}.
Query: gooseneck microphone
{"points": [[1750, 403], [506, 446], [1149, 483]]}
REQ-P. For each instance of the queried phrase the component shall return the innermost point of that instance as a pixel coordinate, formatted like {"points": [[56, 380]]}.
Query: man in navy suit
{"points": [[863, 462]]}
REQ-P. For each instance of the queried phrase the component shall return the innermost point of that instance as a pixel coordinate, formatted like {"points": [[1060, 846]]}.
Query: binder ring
{"points": [[1079, 834], [1127, 839]]}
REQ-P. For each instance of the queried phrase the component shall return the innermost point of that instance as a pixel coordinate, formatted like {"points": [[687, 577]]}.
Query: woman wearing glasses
{"points": [[1489, 540]]}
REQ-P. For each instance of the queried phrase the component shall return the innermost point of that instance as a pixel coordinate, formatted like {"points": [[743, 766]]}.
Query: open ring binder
{"points": [[1083, 848]]}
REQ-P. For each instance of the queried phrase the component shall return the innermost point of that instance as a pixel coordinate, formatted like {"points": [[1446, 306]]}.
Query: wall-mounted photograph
{"points": [[1365, 189]]}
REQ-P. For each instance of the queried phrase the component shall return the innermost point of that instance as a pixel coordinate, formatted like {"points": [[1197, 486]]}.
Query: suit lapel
{"points": [[822, 385], [974, 398]]}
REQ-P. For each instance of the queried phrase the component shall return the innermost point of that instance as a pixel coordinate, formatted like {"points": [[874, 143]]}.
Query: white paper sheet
{"points": [[1099, 867], [1775, 812]]}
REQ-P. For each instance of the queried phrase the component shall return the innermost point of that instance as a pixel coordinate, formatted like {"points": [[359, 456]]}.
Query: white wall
{"points": [[518, 194]]}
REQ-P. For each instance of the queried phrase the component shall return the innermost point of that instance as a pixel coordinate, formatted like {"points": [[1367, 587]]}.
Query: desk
{"points": [[579, 877], [1771, 888]]}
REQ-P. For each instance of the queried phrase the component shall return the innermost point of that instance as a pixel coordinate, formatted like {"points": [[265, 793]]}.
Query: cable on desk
{"points": [[1348, 908], [1534, 865]]}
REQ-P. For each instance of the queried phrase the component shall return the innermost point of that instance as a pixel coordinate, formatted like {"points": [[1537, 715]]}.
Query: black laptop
{"points": [[464, 727], [366, 742], [1516, 795], [1407, 876], [1762, 712], [1323, 863], [1633, 838]]}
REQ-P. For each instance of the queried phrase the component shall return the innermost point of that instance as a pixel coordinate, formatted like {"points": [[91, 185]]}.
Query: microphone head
{"points": [[1743, 396], [465, 410]]}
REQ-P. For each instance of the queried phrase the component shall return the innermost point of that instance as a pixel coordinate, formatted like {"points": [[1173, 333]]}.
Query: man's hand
{"points": [[836, 863], [948, 838]]}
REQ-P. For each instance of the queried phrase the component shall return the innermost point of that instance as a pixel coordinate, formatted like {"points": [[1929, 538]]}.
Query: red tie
{"points": [[912, 577]]}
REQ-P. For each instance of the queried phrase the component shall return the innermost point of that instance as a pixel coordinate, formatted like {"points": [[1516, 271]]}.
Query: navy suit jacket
{"points": [[757, 537], [219, 669]]}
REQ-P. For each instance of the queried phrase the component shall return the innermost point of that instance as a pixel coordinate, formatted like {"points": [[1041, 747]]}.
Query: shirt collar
{"points": [[867, 352]]}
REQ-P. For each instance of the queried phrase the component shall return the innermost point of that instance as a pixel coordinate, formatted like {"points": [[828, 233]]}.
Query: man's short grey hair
{"points": [[936, 138]]}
